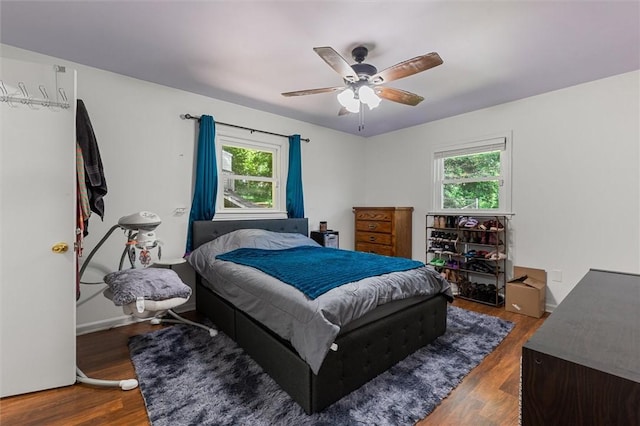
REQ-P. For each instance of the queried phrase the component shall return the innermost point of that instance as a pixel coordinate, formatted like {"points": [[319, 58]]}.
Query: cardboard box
{"points": [[526, 292]]}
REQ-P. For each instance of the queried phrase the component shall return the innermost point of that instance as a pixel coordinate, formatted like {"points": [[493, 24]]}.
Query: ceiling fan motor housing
{"points": [[359, 53], [364, 70]]}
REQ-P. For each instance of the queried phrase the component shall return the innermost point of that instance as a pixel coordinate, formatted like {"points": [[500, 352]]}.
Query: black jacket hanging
{"points": [[94, 174]]}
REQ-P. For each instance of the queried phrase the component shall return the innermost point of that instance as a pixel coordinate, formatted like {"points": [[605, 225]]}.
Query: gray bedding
{"points": [[310, 325]]}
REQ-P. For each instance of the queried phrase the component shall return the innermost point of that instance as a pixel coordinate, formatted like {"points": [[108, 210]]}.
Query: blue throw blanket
{"points": [[316, 270]]}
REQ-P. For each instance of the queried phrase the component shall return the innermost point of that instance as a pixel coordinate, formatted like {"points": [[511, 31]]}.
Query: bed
{"points": [[363, 347]]}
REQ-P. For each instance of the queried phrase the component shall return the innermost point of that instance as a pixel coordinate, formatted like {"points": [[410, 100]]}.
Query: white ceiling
{"points": [[248, 52]]}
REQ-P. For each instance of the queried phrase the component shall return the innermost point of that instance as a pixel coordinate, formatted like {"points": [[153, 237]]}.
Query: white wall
{"points": [[148, 157], [576, 182], [576, 176]]}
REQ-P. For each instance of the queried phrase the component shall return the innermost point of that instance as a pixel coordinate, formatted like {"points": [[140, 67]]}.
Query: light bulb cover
{"points": [[368, 96], [353, 106], [347, 99]]}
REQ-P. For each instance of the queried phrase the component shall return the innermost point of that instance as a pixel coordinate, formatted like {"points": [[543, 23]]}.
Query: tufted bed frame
{"points": [[366, 347]]}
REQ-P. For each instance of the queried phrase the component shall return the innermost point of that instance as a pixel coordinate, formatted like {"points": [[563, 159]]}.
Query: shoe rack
{"points": [[470, 252]]}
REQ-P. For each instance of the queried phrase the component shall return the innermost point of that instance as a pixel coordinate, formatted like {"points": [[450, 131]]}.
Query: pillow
{"points": [[202, 257], [255, 238], [150, 283]]}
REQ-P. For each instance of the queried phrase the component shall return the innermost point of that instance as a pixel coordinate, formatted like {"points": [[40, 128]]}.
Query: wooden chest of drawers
{"points": [[384, 230]]}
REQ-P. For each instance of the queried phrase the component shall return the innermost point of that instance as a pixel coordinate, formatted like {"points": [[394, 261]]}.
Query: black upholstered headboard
{"points": [[207, 230]]}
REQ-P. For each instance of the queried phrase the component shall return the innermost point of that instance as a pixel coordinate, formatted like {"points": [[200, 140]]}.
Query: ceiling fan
{"points": [[363, 82]]}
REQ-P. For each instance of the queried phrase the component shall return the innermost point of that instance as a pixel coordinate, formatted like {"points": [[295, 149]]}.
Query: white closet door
{"points": [[37, 211]]}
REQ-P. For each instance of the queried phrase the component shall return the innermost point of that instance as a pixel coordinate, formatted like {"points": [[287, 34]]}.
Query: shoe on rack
{"points": [[451, 221], [471, 223], [484, 239], [449, 248], [437, 261], [495, 255], [496, 226], [443, 222]]}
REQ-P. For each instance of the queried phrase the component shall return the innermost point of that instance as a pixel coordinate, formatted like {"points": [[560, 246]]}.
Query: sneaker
{"points": [[449, 248], [495, 255], [471, 223], [496, 225], [437, 261]]}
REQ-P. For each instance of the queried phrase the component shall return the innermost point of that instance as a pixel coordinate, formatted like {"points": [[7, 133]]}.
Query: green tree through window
{"points": [[472, 181], [251, 162], [250, 181], [473, 175]]}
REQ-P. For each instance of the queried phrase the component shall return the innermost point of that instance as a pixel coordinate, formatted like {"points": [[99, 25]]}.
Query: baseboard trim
{"points": [[109, 323]]}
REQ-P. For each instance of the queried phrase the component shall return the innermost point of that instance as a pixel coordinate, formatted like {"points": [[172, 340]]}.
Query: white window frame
{"points": [[500, 142], [279, 148]]}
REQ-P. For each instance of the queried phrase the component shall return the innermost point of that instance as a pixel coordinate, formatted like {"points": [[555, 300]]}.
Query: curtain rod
{"points": [[192, 117]]}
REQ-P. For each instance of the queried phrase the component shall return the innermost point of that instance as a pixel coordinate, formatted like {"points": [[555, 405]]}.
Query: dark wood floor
{"points": [[487, 396]]}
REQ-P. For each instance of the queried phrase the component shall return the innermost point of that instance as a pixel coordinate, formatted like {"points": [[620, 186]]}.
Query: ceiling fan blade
{"points": [[407, 68], [337, 62], [343, 111], [397, 95], [313, 91]]}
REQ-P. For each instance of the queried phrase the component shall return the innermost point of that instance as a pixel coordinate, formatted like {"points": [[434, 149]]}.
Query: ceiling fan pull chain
{"points": [[361, 120]]}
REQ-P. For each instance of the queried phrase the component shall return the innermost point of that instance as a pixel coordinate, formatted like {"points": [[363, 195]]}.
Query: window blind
{"points": [[496, 144]]}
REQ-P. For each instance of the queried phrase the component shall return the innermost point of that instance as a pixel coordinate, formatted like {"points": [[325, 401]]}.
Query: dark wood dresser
{"points": [[582, 366], [384, 230]]}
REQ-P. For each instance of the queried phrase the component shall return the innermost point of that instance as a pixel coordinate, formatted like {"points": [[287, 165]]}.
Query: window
{"points": [[473, 176], [250, 171]]}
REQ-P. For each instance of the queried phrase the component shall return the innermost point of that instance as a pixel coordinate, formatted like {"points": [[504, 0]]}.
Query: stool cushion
{"points": [[149, 283]]}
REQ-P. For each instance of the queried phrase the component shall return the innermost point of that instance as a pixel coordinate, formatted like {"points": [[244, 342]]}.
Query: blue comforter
{"points": [[316, 270]]}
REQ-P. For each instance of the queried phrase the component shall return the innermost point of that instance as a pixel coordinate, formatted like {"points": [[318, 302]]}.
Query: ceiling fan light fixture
{"points": [[368, 96], [362, 81], [347, 99]]}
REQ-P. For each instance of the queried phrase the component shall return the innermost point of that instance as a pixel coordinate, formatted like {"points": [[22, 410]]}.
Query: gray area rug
{"points": [[189, 378]]}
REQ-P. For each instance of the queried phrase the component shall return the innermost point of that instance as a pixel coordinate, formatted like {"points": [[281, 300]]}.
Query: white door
{"points": [[37, 211]]}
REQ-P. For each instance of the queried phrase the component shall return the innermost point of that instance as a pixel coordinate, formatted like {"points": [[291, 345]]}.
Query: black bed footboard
{"points": [[369, 350], [363, 352]]}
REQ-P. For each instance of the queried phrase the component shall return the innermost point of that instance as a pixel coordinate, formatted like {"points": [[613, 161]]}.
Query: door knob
{"points": [[60, 248]]}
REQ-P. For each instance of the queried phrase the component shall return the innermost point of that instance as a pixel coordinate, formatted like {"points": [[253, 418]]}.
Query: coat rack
{"points": [[21, 96]]}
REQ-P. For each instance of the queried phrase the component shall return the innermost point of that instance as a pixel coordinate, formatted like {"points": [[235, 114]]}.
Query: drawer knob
{"points": [[372, 238], [372, 226]]}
